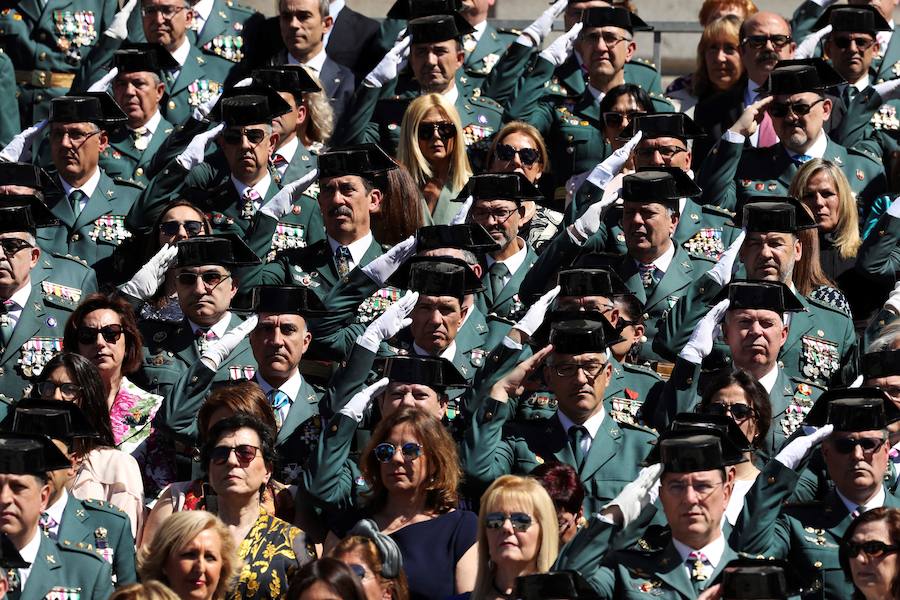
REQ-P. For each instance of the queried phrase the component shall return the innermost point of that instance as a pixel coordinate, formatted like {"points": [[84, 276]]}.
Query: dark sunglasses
{"points": [[13, 245], [666, 152], [848, 445], [210, 278], [245, 453], [781, 109], [617, 119], [358, 570], [69, 391], [233, 137], [528, 156], [519, 521], [862, 43], [384, 452], [758, 41], [444, 130], [192, 228], [738, 412], [110, 333], [873, 548]]}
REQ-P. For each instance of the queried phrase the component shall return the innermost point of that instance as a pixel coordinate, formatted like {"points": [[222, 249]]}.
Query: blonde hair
{"points": [[712, 7], [151, 590], [728, 30], [176, 532], [319, 124], [410, 156], [527, 495], [846, 232]]}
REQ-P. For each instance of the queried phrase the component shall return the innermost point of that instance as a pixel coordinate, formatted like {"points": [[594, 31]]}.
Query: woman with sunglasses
{"points": [[618, 107], [375, 558], [102, 471], [869, 554], [567, 493], [239, 456], [433, 149]]}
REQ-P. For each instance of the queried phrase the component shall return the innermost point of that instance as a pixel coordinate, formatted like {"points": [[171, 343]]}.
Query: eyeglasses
{"points": [[519, 521], [211, 279], [245, 453], [528, 156], [862, 43], [166, 11], [233, 137], [110, 333], [500, 214], [192, 228], [13, 246], [616, 119], [701, 488], [666, 152], [738, 412], [384, 452], [872, 548], [759, 41], [444, 130], [609, 38], [848, 445], [800, 109], [76, 137], [68, 391], [591, 370]]}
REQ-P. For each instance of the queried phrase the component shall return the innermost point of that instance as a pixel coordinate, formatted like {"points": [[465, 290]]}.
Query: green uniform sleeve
{"points": [[485, 454], [559, 252], [331, 478], [679, 394], [358, 127], [526, 104], [126, 571], [586, 552], [10, 125], [675, 330], [503, 81], [764, 531], [717, 175], [351, 378], [96, 64], [804, 18], [178, 413], [163, 189]]}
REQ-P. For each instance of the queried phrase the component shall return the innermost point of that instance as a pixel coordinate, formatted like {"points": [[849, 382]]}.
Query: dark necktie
{"points": [[498, 273], [76, 197], [577, 433], [648, 275], [342, 260], [6, 324]]}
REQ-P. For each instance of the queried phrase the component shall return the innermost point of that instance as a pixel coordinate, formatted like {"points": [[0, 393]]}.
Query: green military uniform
{"points": [[123, 160], [483, 55], [104, 527], [222, 35], [65, 569], [505, 303], [47, 41], [201, 78], [10, 124]]}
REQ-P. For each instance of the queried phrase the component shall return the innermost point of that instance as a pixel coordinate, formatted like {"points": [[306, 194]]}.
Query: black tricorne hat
{"points": [[568, 585], [465, 236], [26, 175], [254, 104], [413, 9], [90, 107], [57, 419], [884, 363], [591, 282], [773, 214], [287, 78], [579, 332], [24, 213], [674, 125], [732, 443], [436, 373], [226, 249], [853, 409], [287, 300], [138, 58], [800, 75], [437, 276], [756, 579], [30, 454], [501, 186], [613, 16], [665, 185], [853, 19], [759, 295], [438, 28], [364, 160], [689, 451]]}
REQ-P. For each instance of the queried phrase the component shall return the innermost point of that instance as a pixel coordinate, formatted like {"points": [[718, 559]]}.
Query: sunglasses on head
{"points": [[848, 445], [759, 41], [233, 137], [738, 412], [800, 109], [519, 521], [528, 156], [862, 43], [616, 119], [245, 453], [110, 333], [13, 245], [210, 278], [384, 452], [872, 548], [444, 130], [192, 228]]}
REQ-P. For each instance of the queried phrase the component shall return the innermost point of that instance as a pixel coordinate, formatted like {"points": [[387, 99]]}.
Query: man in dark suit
{"points": [[351, 40]]}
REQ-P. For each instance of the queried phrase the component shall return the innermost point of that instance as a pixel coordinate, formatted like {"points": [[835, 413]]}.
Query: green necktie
{"points": [[75, 198], [6, 326], [577, 433], [498, 272]]}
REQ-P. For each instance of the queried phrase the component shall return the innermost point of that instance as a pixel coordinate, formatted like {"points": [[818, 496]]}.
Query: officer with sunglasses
{"points": [[854, 447]]}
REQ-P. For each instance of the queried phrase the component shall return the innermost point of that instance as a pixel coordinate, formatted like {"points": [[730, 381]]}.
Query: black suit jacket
{"points": [[337, 81], [352, 42]]}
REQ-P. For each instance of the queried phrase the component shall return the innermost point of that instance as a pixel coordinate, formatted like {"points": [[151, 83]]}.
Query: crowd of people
{"points": [[321, 307]]}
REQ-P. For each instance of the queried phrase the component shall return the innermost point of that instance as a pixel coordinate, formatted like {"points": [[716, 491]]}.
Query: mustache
{"points": [[340, 211], [766, 56]]}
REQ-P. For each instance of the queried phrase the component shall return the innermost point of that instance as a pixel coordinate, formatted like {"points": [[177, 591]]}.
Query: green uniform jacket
{"points": [[36, 338], [50, 37], [67, 569], [879, 255], [223, 35], [807, 535], [493, 448], [10, 124], [732, 172], [107, 529], [481, 61], [122, 160], [199, 80], [505, 304], [444, 209], [67, 272]]}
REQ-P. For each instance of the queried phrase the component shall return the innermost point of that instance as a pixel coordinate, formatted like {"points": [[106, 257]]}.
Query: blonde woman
{"points": [[518, 534], [433, 148], [315, 130], [194, 554]]}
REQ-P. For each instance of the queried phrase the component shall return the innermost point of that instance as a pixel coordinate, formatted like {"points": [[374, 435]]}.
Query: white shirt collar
{"points": [[597, 94], [449, 352], [219, 328], [20, 296], [317, 61], [153, 123], [291, 387], [663, 261], [357, 248], [89, 187], [289, 150], [56, 511], [261, 186], [863, 83], [875, 501], [479, 30], [817, 150], [515, 261], [452, 95], [29, 554], [592, 424], [181, 52], [768, 380], [713, 550]]}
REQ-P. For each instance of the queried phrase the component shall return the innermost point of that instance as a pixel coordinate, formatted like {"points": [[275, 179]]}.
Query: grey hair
{"points": [[887, 338], [324, 7]]}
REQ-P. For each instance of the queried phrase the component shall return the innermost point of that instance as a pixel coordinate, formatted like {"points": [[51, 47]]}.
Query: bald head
{"points": [[759, 52]]}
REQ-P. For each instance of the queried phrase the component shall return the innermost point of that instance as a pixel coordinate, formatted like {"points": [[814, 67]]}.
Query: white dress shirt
{"points": [[201, 9], [513, 263], [449, 352], [817, 150], [29, 555], [713, 552], [55, 511], [768, 380], [592, 425], [261, 187], [18, 299], [876, 501], [291, 387], [287, 152]]}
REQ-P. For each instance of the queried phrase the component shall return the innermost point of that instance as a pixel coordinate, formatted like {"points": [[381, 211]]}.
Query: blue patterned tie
{"points": [[801, 159], [278, 400], [342, 260]]}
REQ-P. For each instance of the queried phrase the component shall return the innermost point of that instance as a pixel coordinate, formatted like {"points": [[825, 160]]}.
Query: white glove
{"points": [[589, 223], [391, 65], [149, 277], [888, 90], [19, 148], [543, 25], [389, 324], [245, 82], [358, 403], [101, 84], [460, 217], [535, 315], [894, 208], [603, 173], [381, 269], [561, 49], [721, 272], [281, 203], [701, 341], [216, 352], [793, 454], [856, 382], [203, 109], [807, 48], [893, 301], [636, 495], [118, 29], [196, 150]]}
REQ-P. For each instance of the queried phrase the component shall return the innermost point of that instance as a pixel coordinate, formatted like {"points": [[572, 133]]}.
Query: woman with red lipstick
{"points": [[869, 554]]}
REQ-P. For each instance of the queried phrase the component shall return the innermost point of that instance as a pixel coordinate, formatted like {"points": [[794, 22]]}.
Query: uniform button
{"points": [[770, 480], [42, 56], [39, 98], [76, 237], [488, 416], [194, 379], [171, 105], [139, 171], [170, 354], [2, 371], [818, 564], [333, 428]]}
